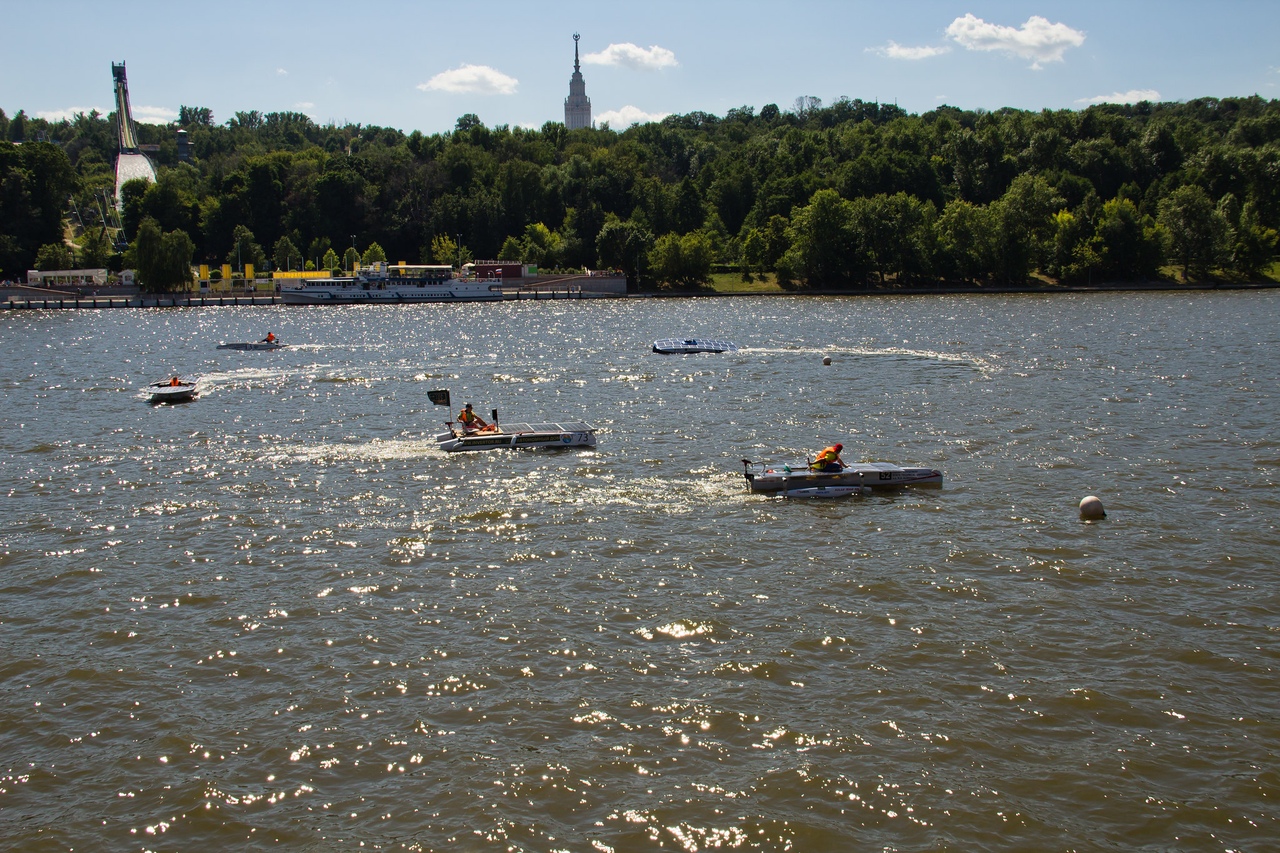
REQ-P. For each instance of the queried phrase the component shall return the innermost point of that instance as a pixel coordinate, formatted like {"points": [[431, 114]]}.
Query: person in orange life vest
{"points": [[471, 422], [175, 382], [829, 459], [270, 338]]}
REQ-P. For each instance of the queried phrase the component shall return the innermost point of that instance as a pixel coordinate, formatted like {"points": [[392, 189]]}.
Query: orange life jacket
{"points": [[826, 456]]}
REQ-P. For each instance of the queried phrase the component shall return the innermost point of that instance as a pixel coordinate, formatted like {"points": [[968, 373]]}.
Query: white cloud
{"points": [[893, 50], [472, 79], [303, 106], [1132, 96], [282, 72], [627, 116], [1037, 39], [154, 115], [70, 113], [632, 56]]}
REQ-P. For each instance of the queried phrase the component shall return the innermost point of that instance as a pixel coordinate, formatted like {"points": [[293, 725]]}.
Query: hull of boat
{"points": [[457, 291], [520, 437], [167, 394], [254, 346], [873, 475], [826, 492]]}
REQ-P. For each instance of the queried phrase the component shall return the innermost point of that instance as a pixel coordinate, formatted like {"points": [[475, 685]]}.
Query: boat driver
{"points": [[828, 460], [471, 422], [270, 338]]}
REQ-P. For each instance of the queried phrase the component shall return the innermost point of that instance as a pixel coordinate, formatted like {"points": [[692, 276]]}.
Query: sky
{"points": [[420, 65]]}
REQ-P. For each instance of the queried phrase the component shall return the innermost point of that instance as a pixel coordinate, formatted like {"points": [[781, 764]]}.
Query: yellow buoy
{"points": [[1091, 509]]}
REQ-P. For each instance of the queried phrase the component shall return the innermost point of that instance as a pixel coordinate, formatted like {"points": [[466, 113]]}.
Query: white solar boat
{"points": [[253, 346], [519, 436], [688, 346], [175, 390], [516, 436], [763, 477]]}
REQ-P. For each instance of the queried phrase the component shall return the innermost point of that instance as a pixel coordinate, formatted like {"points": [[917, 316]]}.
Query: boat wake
{"points": [[983, 365]]}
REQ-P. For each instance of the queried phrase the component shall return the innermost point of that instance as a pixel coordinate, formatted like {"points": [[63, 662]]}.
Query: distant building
{"points": [[577, 107]]}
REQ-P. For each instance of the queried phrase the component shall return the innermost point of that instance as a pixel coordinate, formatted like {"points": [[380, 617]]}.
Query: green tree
{"points": [[1026, 226], [350, 258], [145, 256], [966, 241], [621, 245], [512, 250], [317, 251], [1254, 244], [1127, 242], [1195, 229], [54, 256], [373, 255], [286, 255], [825, 250], [542, 246], [176, 249], [444, 250], [95, 248], [244, 250], [681, 261], [330, 261]]}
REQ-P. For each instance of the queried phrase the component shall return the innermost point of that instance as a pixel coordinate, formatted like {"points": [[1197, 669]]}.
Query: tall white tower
{"points": [[577, 107]]}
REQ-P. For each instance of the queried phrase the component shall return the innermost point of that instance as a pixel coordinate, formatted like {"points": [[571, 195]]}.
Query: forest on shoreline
{"points": [[850, 196]]}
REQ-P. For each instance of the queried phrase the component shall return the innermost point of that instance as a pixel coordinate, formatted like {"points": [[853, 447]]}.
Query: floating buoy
{"points": [[1091, 509], [826, 359]]}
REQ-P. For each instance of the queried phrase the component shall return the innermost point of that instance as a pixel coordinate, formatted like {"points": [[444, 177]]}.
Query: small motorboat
{"points": [[175, 390], [253, 346], [689, 346], [495, 436], [762, 477]]}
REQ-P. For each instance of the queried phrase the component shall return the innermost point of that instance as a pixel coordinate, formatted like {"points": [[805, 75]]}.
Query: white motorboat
{"points": [[391, 284], [497, 436], [762, 477], [175, 390], [253, 346], [689, 346]]}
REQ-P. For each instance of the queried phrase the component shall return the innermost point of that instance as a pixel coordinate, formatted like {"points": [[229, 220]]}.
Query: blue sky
{"points": [[419, 65]]}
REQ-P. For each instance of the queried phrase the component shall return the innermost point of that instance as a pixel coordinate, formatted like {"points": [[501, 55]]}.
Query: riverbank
{"points": [[731, 284]]}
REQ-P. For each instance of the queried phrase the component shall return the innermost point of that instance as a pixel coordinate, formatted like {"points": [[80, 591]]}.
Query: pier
{"points": [[160, 300]]}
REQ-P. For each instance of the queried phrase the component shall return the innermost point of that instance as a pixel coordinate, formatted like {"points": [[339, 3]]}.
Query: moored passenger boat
{"points": [[391, 284]]}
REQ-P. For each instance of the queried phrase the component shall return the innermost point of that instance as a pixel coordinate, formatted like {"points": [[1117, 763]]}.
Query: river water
{"points": [[279, 617]]}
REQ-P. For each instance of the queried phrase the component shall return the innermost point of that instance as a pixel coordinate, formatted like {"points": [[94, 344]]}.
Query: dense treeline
{"points": [[853, 194]]}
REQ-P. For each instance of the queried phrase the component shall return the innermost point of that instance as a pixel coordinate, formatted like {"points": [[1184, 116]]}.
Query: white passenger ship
{"points": [[391, 284]]}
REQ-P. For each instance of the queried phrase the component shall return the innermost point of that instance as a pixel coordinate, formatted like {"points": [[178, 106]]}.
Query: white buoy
{"points": [[826, 359], [1091, 509]]}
